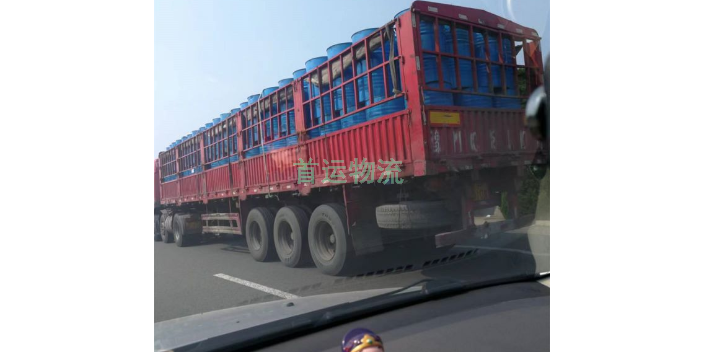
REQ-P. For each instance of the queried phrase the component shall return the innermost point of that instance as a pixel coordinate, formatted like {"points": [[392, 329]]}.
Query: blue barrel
{"points": [[252, 99], [496, 75], [331, 127], [482, 77], [510, 81], [437, 98], [316, 132], [357, 36], [202, 129], [479, 48], [349, 97], [465, 68], [244, 105], [475, 101], [317, 115], [298, 73], [208, 125], [386, 108], [285, 82], [194, 132], [333, 50], [376, 57], [463, 41], [401, 13], [268, 91], [387, 49], [216, 121], [354, 119], [224, 115], [506, 103], [390, 82], [363, 91], [507, 48], [427, 35], [234, 111], [315, 62], [493, 47], [293, 140], [253, 152], [275, 145], [291, 122], [430, 68], [337, 102], [445, 38], [327, 111], [449, 72], [378, 91]]}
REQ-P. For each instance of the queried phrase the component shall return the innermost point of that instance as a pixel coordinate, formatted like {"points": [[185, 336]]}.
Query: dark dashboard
{"points": [[511, 317]]}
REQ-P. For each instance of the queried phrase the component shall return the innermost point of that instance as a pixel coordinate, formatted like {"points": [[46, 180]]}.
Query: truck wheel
{"points": [[291, 236], [165, 236], [259, 233], [307, 209], [330, 245], [180, 237], [157, 228], [412, 215]]}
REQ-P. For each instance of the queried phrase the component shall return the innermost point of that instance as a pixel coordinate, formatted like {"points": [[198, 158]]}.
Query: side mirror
{"points": [[538, 123], [536, 114]]}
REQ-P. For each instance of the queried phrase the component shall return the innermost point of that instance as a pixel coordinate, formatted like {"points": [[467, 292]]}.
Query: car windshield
{"points": [[328, 153]]}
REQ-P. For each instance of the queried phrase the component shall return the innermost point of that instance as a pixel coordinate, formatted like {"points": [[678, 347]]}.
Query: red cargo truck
{"points": [[434, 99]]}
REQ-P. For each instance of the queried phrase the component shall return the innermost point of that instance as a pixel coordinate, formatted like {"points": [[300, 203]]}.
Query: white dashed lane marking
{"points": [[256, 286]]}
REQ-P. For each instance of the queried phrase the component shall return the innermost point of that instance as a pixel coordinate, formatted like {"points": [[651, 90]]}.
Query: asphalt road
{"points": [[185, 281]]}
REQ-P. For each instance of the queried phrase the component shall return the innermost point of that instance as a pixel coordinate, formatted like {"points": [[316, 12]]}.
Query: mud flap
{"points": [[366, 239]]}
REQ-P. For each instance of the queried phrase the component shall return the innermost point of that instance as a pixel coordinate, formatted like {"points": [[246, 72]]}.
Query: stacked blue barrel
{"points": [[252, 99], [311, 89], [430, 67], [284, 82], [361, 67], [509, 74], [268, 91]]}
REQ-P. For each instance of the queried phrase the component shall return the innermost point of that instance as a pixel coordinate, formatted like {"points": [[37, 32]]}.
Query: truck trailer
{"points": [[401, 135]]}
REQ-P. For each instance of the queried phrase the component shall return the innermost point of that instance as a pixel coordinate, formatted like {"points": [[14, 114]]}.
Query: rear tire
{"points": [[291, 236], [165, 236], [330, 245], [181, 239], [157, 228], [259, 233]]}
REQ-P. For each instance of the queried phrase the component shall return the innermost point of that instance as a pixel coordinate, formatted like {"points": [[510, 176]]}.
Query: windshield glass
{"points": [[305, 149]]}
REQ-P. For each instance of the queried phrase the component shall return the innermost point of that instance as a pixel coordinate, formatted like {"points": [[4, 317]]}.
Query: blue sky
{"points": [[210, 55]]}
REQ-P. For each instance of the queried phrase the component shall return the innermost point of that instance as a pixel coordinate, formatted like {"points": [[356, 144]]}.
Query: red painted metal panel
{"points": [[486, 137], [157, 183], [217, 181], [380, 139], [473, 16], [169, 190], [280, 165], [236, 173], [316, 158], [190, 186], [254, 171]]}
